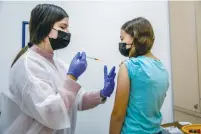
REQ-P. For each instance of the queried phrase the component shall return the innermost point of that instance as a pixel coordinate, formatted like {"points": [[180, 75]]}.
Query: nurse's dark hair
{"points": [[43, 17], [143, 35]]}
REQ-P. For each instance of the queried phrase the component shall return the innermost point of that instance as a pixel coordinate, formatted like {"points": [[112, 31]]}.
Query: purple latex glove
{"points": [[109, 83], [78, 65]]}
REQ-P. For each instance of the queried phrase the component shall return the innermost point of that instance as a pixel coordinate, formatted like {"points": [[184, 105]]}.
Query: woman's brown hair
{"points": [[143, 36]]}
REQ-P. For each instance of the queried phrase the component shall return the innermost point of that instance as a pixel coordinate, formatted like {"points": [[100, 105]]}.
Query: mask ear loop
{"points": [[54, 29]]}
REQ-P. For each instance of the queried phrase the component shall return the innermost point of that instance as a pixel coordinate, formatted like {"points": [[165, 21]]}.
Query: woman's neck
{"points": [[45, 54], [150, 55], [45, 47]]}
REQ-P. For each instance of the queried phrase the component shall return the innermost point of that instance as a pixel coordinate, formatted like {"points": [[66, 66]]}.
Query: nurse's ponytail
{"points": [[22, 51]]}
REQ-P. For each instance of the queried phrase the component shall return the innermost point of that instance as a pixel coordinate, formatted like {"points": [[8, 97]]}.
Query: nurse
{"points": [[43, 95]]}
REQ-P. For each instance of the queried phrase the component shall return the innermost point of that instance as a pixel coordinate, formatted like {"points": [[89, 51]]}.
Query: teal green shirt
{"points": [[149, 83]]}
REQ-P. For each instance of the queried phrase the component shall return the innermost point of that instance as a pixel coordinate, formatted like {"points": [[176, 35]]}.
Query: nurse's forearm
{"points": [[90, 100], [69, 92]]}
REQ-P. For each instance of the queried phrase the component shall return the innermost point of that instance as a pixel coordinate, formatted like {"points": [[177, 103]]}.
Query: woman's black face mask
{"points": [[123, 50], [62, 40]]}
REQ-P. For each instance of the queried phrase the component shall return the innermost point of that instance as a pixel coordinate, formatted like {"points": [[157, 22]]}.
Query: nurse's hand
{"points": [[78, 65], [109, 83]]}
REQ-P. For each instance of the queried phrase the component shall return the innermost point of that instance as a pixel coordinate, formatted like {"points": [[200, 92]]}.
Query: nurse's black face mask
{"points": [[123, 50], [62, 40]]}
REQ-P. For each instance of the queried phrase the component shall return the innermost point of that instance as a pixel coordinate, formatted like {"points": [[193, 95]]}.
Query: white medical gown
{"points": [[41, 100]]}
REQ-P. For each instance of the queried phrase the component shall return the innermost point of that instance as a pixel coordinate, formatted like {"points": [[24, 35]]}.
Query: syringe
{"points": [[93, 58]]}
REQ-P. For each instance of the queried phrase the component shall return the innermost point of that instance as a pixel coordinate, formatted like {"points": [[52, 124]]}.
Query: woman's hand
{"points": [[109, 83]]}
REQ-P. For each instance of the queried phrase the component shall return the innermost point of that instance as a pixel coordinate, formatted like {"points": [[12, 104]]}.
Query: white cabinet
{"points": [[185, 33]]}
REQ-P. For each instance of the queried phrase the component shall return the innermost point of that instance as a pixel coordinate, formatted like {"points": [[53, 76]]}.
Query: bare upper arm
{"points": [[122, 92]]}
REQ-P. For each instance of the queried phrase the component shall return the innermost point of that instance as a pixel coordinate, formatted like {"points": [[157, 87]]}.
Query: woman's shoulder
{"points": [[144, 60], [28, 61], [132, 61]]}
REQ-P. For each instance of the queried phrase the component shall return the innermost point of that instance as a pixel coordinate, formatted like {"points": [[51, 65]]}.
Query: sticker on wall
{"points": [[25, 33]]}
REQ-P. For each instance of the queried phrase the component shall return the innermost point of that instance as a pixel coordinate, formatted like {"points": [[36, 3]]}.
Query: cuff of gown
{"points": [[71, 85], [69, 92], [90, 100]]}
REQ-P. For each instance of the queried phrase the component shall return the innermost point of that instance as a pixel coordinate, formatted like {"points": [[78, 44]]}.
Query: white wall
{"points": [[95, 28]]}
